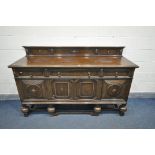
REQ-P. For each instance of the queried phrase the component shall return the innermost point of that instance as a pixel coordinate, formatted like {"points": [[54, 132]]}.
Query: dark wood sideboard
{"points": [[88, 79]]}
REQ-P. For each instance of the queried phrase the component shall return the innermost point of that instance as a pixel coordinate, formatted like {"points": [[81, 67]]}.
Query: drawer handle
{"points": [[101, 73], [59, 74], [89, 74], [20, 73], [116, 74], [74, 51], [46, 73], [96, 51]]}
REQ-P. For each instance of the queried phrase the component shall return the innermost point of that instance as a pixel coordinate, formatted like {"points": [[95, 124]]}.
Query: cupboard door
{"points": [[116, 88], [32, 89], [88, 89], [62, 89]]}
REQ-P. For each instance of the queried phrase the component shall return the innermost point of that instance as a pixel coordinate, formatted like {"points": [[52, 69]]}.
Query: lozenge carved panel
{"points": [[116, 88], [32, 89]]}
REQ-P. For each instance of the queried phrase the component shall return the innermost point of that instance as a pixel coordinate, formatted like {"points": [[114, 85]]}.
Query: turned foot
{"points": [[122, 110], [51, 110], [25, 110], [97, 110]]}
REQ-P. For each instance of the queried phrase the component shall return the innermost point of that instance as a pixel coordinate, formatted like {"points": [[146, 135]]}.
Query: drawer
{"points": [[28, 72], [74, 72], [117, 72]]}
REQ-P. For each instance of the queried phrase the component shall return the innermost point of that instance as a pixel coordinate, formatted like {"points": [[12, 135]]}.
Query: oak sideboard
{"points": [[78, 79]]}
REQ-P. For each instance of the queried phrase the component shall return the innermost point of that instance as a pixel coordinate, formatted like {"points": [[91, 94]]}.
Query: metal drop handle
{"points": [[59, 74], [89, 74]]}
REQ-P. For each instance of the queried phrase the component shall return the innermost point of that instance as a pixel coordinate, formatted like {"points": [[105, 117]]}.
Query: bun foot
{"points": [[25, 110], [122, 110], [51, 110], [97, 110]]}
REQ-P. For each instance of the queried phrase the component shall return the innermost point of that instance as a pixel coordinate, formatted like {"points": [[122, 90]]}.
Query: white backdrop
{"points": [[139, 43]]}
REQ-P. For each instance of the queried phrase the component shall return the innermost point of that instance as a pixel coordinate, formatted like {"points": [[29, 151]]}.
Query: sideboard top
{"points": [[73, 57], [45, 61]]}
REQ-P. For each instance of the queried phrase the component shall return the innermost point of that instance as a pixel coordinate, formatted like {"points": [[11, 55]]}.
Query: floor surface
{"points": [[140, 115]]}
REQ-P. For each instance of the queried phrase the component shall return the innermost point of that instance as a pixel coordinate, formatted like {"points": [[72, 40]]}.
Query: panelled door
{"points": [[76, 89], [61, 89], [88, 89]]}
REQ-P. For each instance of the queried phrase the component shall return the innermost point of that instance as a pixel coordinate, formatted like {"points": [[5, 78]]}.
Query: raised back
{"points": [[73, 51]]}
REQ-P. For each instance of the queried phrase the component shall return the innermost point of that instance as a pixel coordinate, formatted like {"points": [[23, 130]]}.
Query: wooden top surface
{"points": [[72, 61]]}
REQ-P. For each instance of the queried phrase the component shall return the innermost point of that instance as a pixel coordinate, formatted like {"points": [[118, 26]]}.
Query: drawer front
{"points": [[73, 72], [28, 72], [117, 72]]}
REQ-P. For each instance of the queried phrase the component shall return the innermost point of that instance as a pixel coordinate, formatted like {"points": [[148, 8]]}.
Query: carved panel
{"points": [[86, 89], [32, 89], [116, 88], [61, 89]]}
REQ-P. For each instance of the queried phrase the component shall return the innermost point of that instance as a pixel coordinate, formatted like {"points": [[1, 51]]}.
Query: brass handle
{"points": [[89, 74], [59, 74], [116, 74], [46, 73], [96, 51], [101, 74], [74, 51]]}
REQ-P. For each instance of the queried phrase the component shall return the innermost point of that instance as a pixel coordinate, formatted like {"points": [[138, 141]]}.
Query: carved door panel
{"points": [[88, 89], [32, 89], [61, 89], [116, 88]]}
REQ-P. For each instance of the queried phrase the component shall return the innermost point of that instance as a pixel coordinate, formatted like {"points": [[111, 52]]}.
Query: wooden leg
{"points": [[51, 110], [122, 109], [25, 110]]}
